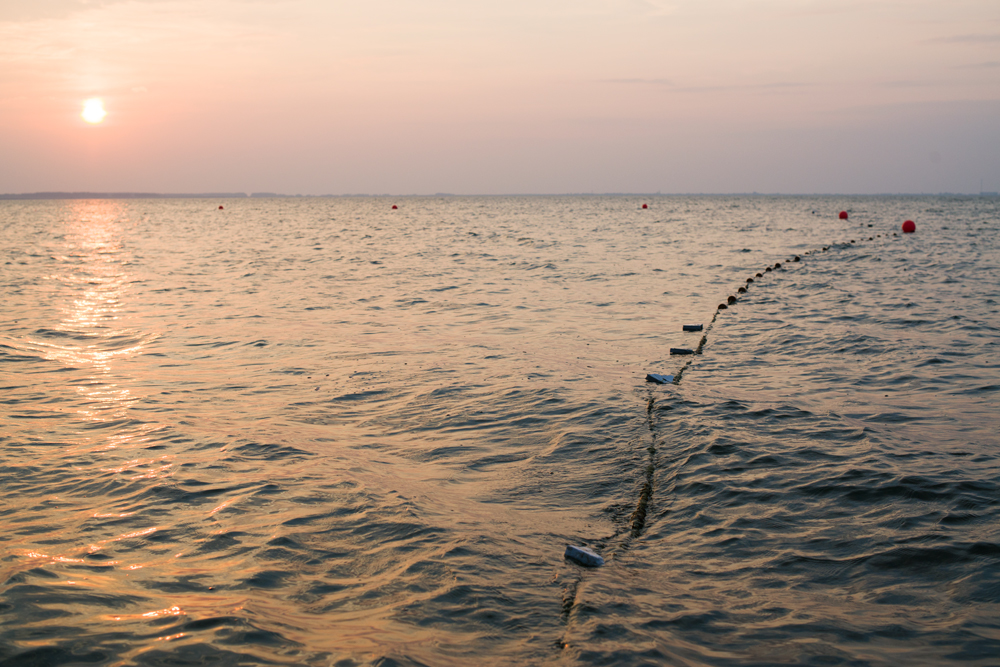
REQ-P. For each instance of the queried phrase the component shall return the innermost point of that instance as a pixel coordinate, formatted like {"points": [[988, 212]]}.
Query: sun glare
{"points": [[93, 110]]}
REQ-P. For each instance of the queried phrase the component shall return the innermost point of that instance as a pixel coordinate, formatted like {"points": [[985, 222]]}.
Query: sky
{"points": [[515, 97]]}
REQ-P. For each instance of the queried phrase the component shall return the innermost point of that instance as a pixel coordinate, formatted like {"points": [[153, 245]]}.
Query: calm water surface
{"points": [[326, 432]]}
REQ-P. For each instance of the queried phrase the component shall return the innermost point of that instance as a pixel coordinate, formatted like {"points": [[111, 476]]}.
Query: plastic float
{"points": [[909, 227], [659, 379], [680, 350], [692, 327], [583, 556]]}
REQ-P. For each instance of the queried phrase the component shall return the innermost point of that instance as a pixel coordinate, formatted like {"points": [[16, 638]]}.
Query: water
{"points": [[321, 431]]}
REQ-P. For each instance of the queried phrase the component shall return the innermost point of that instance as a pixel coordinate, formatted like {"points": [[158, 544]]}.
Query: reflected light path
{"points": [[94, 279], [91, 338]]}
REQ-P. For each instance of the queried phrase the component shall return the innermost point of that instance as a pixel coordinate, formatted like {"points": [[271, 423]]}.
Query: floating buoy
{"points": [[749, 280], [767, 269], [394, 207], [777, 265], [644, 206], [796, 259], [843, 215], [742, 290], [680, 350], [220, 208], [760, 275], [731, 300], [909, 227], [583, 556], [722, 306], [659, 379], [691, 327]]}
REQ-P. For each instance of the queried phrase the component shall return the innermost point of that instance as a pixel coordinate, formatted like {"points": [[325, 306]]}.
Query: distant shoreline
{"points": [[265, 195], [130, 195]]}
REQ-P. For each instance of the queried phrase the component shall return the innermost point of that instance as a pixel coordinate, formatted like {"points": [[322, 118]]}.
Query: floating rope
{"points": [[637, 520]]}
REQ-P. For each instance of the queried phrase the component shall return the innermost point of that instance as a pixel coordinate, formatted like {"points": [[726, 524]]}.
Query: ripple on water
{"points": [[357, 437]]}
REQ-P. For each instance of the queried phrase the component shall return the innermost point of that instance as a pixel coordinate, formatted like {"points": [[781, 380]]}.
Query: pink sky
{"points": [[548, 96]]}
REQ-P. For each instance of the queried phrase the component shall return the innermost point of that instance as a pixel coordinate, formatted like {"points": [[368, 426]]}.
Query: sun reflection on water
{"points": [[93, 335]]}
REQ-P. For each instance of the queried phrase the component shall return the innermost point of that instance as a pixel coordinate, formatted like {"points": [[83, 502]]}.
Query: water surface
{"points": [[322, 431]]}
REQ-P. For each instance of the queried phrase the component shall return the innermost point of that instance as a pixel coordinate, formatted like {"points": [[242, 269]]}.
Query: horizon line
{"points": [[276, 195]]}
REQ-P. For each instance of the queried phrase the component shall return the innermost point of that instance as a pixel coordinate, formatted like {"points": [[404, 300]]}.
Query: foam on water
{"points": [[310, 430]]}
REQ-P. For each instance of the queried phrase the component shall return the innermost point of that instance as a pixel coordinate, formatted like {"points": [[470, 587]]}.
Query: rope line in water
{"points": [[637, 520]]}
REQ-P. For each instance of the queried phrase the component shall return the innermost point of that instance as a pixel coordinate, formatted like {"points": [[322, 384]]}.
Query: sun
{"points": [[93, 110]]}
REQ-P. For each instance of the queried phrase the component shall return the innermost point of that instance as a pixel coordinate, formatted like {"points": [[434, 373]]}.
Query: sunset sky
{"points": [[540, 96]]}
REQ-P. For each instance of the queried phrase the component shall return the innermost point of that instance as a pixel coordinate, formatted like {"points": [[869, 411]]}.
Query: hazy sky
{"points": [[539, 96]]}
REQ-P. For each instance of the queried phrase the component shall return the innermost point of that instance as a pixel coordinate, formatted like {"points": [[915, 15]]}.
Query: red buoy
{"points": [[220, 208], [843, 215], [644, 206], [394, 207], [909, 227]]}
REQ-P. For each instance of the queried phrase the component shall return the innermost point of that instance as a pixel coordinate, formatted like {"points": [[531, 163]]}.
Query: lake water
{"points": [[322, 431]]}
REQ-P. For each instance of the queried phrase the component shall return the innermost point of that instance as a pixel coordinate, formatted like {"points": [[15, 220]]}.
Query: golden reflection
{"points": [[224, 505], [92, 283], [160, 470], [172, 611]]}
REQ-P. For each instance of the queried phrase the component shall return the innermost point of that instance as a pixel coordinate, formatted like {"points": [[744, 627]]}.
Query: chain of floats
{"points": [[637, 521]]}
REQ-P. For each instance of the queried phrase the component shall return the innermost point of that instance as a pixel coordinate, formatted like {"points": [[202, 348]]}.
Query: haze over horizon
{"points": [[310, 97]]}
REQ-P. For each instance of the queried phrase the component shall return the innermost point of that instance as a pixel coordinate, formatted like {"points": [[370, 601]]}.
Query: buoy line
{"points": [[637, 520]]}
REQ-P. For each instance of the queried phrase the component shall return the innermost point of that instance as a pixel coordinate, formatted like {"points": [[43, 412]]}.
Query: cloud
{"points": [[14, 11], [646, 82], [969, 39], [757, 87], [987, 65], [909, 84]]}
